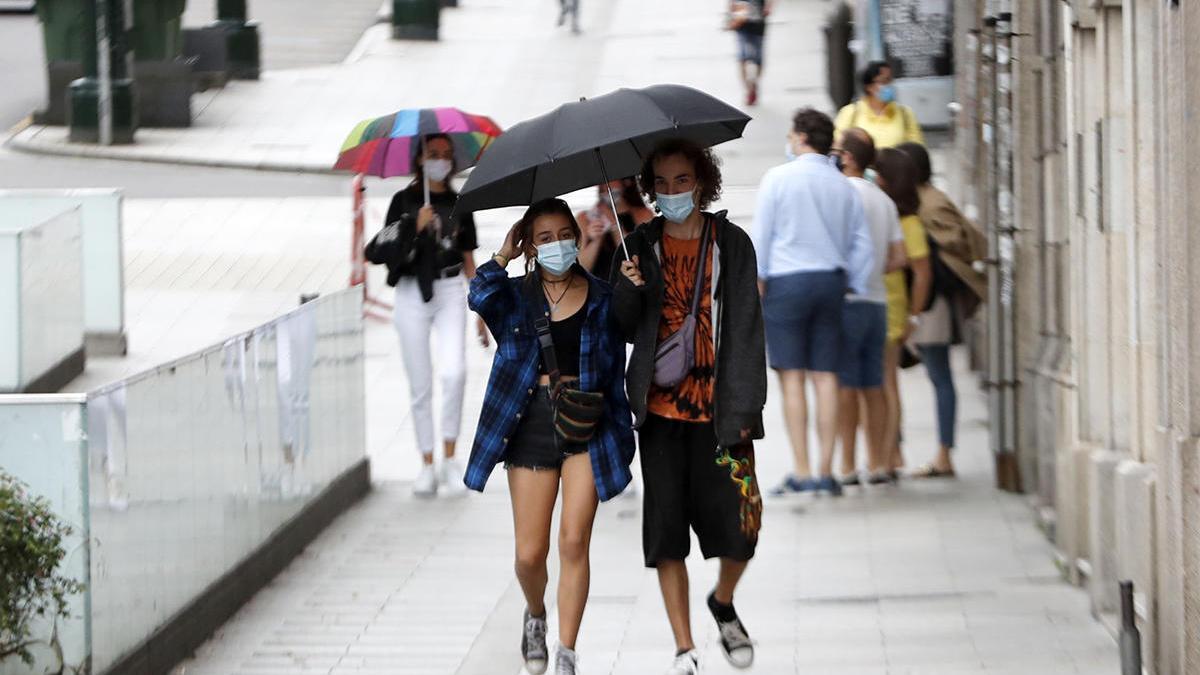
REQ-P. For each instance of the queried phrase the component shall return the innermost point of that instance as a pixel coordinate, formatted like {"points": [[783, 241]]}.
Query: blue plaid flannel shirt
{"points": [[509, 308]]}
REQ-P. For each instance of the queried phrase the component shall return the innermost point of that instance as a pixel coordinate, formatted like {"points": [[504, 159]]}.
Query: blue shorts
{"points": [[750, 47], [864, 332], [803, 317]]}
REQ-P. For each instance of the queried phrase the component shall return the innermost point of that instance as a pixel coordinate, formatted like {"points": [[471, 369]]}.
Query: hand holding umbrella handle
{"points": [[632, 271], [424, 217]]}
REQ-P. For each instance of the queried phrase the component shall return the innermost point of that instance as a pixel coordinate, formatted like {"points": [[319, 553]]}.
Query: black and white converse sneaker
{"points": [[735, 642], [533, 644]]}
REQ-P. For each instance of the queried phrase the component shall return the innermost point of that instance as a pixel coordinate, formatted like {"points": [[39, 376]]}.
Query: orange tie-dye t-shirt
{"points": [[691, 400]]}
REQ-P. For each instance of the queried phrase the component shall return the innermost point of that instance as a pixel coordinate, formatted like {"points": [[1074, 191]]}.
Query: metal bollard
{"points": [[1131, 638]]}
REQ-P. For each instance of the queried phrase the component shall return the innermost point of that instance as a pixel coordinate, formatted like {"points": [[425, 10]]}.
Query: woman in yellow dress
{"points": [[896, 174]]}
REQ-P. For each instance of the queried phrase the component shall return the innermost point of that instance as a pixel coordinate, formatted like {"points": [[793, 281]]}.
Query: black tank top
{"points": [[566, 335]]}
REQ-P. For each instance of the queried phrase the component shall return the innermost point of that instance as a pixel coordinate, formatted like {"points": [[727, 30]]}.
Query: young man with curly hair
{"points": [[690, 285]]}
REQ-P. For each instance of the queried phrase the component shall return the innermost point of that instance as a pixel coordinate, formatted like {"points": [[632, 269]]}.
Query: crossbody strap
{"points": [[549, 357], [701, 265]]}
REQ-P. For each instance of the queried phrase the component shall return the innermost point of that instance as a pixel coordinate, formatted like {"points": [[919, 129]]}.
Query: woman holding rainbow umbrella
{"points": [[429, 253]]}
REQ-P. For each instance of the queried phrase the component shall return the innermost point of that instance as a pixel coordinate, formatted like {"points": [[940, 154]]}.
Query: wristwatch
{"points": [[499, 257], [914, 320]]}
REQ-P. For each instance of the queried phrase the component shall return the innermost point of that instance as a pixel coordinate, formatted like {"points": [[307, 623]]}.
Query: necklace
{"points": [[554, 303]]}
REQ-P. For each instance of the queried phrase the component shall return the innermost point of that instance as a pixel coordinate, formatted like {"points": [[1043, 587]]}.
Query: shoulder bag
{"points": [[676, 355]]}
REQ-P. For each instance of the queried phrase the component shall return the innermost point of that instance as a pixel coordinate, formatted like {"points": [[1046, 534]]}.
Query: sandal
{"points": [[931, 471]]}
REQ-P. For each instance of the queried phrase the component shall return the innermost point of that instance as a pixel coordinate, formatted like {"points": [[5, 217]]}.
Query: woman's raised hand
{"points": [[632, 271], [511, 248]]}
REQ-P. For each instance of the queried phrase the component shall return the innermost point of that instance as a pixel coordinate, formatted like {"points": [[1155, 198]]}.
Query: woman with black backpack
{"points": [[958, 290]]}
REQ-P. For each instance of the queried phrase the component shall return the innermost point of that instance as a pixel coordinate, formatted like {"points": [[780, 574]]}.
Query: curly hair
{"points": [[705, 164]]}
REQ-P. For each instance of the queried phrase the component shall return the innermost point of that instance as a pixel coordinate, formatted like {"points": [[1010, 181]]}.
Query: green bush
{"points": [[31, 548]]}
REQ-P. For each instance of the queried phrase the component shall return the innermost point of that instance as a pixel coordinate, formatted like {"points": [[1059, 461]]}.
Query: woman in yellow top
{"points": [[890, 123], [896, 174]]}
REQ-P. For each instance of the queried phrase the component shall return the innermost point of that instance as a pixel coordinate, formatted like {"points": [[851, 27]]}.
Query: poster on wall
{"points": [[918, 37]]}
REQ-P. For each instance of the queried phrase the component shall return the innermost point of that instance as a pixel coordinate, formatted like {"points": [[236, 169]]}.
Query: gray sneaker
{"points": [[565, 660], [533, 644]]}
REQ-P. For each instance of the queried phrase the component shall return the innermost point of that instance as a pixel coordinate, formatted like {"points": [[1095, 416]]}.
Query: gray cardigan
{"points": [[740, 374]]}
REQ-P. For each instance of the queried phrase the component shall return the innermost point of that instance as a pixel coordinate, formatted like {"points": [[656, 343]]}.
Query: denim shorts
{"points": [[535, 445], [803, 317], [864, 332], [750, 47]]}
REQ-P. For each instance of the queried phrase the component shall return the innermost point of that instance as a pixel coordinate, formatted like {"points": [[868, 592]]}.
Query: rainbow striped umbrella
{"points": [[385, 146]]}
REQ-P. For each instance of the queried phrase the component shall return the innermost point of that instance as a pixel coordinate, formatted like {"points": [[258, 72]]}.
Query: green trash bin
{"points": [[62, 29], [415, 19], [157, 33]]}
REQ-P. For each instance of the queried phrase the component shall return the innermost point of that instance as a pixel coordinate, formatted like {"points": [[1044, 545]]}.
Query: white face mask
{"points": [[437, 169], [676, 207]]}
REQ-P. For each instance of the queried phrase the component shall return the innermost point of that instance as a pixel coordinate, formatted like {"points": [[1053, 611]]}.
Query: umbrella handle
{"points": [[612, 202]]}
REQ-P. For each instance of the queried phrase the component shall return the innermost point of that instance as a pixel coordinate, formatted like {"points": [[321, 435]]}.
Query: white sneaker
{"points": [[426, 483], [685, 664], [450, 477]]}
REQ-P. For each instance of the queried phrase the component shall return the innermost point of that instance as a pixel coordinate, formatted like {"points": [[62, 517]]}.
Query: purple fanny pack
{"points": [[676, 355]]}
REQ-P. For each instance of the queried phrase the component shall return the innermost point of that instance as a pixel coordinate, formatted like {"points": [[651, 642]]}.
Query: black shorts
{"points": [[535, 445], [690, 483]]}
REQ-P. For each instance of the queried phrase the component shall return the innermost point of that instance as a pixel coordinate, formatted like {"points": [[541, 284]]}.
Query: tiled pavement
{"points": [[925, 578]]}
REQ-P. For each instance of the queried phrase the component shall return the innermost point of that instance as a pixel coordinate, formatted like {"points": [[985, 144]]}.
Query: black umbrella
{"points": [[583, 143]]}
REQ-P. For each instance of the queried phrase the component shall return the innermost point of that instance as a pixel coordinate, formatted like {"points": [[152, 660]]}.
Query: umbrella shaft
{"points": [[613, 203]]}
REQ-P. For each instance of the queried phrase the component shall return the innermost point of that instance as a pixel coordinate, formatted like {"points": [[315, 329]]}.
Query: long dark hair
{"points": [[419, 154], [899, 174], [920, 157], [546, 207]]}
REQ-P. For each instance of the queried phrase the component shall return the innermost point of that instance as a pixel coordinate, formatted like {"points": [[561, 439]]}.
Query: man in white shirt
{"points": [[813, 244], [864, 317]]}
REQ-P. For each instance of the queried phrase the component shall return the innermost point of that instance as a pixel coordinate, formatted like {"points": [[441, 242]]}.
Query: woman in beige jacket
{"points": [[958, 289]]}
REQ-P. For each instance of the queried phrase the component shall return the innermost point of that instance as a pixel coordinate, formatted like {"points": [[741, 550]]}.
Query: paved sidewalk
{"points": [[925, 578]]}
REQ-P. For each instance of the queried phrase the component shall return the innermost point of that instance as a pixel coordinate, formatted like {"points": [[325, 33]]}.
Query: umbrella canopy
{"points": [[385, 146], [582, 143]]}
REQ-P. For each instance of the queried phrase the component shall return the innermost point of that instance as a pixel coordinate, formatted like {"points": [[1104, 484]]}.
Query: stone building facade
{"points": [[1094, 109]]}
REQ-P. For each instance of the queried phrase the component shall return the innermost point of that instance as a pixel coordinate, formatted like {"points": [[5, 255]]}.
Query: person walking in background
{"points": [[813, 244], [569, 8], [748, 18], [896, 174], [555, 413], [687, 291], [864, 317], [600, 242], [428, 249], [958, 292], [877, 111]]}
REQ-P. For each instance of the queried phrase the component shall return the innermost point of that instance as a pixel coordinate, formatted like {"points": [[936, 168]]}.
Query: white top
{"points": [[884, 221], [810, 219]]}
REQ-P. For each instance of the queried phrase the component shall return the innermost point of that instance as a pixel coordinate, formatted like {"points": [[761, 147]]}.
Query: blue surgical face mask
{"points": [[788, 152], [557, 256], [887, 93], [676, 207]]}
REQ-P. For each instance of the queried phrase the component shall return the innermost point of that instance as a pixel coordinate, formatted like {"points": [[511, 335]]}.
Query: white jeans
{"points": [[416, 321]]}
